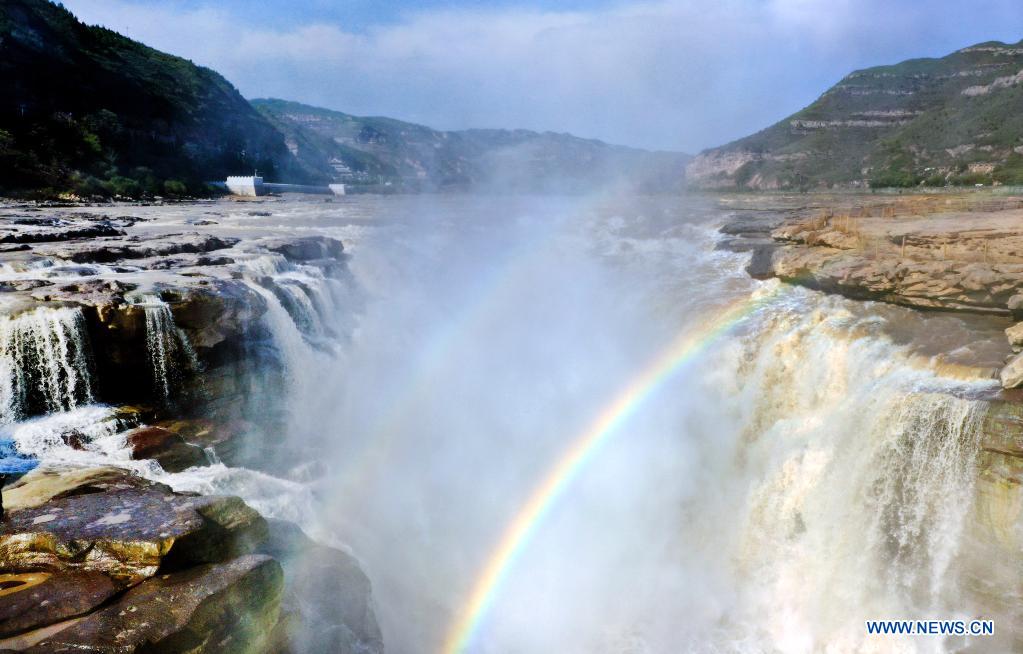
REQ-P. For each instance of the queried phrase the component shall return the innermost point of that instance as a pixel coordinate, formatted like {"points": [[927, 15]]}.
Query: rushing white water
{"points": [[171, 356], [809, 469], [44, 362]]}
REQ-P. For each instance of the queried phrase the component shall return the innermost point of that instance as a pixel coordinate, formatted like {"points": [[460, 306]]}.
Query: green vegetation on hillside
{"points": [[957, 120], [87, 110]]}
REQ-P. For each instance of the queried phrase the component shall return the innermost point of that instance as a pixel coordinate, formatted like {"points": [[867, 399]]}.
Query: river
{"points": [[574, 425]]}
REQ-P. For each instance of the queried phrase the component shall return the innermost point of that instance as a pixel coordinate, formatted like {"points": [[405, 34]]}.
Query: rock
{"points": [[761, 263], [62, 234], [943, 261], [170, 450], [1015, 336], [15, 286], [328, 597], [1015, 304], [226, 607], [230, 528], [214, 311], [305, 248], [119, 249], [128, 534], [225, 437], [752, 224], [47, 483], [1002, 428], [1011, 375], [36, 599]]}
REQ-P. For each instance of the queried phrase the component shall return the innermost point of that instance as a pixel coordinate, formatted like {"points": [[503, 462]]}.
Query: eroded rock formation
{"points": [[160, 335]]}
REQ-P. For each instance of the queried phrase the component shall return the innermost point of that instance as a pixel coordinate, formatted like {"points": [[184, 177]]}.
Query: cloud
{"points": [[666, 74]]}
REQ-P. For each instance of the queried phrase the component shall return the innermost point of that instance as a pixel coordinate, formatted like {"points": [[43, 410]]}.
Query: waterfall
{"points": [[294, 352], [44, 362], [294, 295], [171, 356], [860, 464]]}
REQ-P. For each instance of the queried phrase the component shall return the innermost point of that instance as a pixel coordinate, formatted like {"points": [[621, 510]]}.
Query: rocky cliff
{"points": [[151, 347], [950, 256], [942, 121]]}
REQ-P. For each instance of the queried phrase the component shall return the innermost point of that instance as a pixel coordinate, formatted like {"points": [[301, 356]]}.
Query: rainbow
{"points": [[583, 448]]}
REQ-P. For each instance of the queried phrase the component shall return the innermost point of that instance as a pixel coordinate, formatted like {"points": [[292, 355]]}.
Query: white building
{"points": [[247, 185]]}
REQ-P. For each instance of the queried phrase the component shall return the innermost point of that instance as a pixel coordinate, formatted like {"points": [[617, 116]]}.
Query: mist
{"points": [[499, 336], [491, 330]]}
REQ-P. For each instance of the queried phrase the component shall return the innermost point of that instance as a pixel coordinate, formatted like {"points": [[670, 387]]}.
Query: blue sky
{"points": [[662, 74]]}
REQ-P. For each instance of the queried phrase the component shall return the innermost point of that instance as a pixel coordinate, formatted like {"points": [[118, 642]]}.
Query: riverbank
{"points": [[147, 342], [955, 258], [872, 434]]}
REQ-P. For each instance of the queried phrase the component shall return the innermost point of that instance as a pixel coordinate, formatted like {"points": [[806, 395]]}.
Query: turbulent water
{"points": [[810, 466]]}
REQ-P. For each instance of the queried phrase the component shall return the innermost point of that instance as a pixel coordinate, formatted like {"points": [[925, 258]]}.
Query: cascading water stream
{"points": [[802, 473], [171, 356], [44, 362]]}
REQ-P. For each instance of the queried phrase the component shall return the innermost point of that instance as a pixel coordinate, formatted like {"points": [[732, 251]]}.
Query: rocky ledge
{"points": [[165, 320], [968, 262], [956, 262], [160, 339], [100, 560], [950, 261]]}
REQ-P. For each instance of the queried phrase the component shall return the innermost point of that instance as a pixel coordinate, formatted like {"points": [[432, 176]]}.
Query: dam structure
{"points": [[254, 186]]}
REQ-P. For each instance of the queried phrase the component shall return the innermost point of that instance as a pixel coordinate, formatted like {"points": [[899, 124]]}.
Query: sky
{"points": [[660, 74]]}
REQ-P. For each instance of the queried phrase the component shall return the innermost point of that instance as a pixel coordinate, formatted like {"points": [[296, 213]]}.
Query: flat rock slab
{"points": [[305, 248], [53, 483], [119, 249], [36, 599], [228, 607], [128, 534]]}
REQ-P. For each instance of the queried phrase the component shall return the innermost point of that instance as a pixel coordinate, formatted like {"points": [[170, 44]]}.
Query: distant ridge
{"points": [[953, 120], [383, 153], [88, 111]]}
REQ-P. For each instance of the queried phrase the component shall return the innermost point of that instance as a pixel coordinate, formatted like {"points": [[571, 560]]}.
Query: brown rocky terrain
{"points": [[101, 560], [948, 256], [162, 326]]}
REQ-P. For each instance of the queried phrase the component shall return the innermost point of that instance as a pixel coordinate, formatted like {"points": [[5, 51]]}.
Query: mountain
{"points": [[954, 120], [87, 109], [387, 154]]}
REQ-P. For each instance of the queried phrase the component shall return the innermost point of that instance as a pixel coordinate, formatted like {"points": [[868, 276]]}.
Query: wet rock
{"points": [[88, 292], [306, 248], [1002, 428], [1015, 336], [62, 234], [752, 224], [761, 264], [35, 599], [112, 250], [224, 436], [168, 449], [214, 311], [328, 598], [49, 483], [1011, 375], [19, 285], [226, 607], [128, 534]]}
